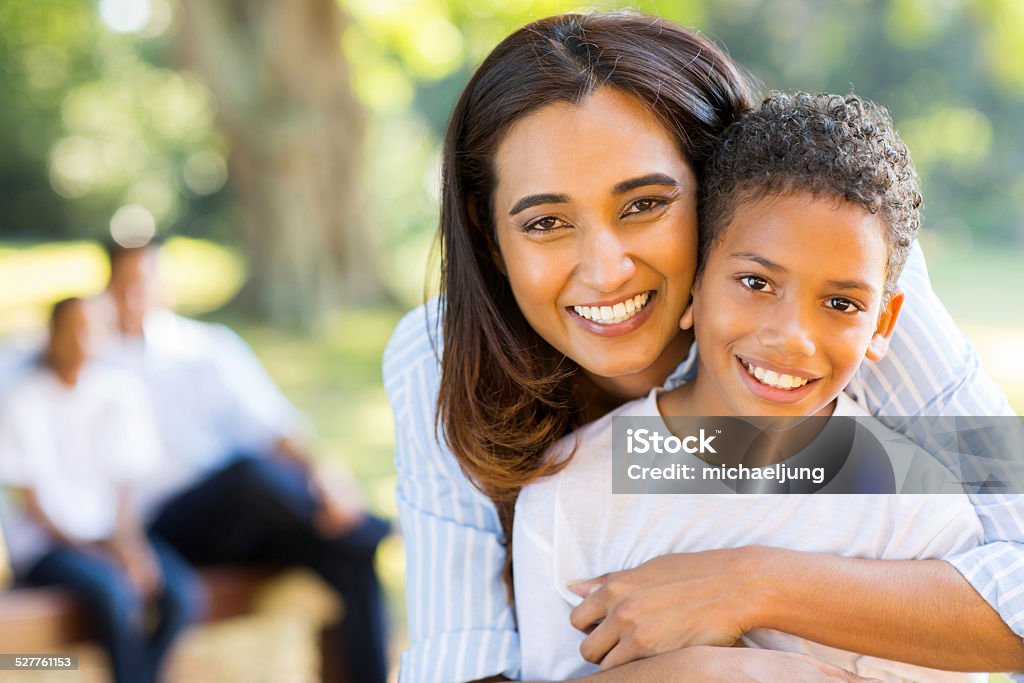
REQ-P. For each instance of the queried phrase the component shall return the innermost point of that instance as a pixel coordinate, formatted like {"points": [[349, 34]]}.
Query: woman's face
{"points": [[595, 214]]}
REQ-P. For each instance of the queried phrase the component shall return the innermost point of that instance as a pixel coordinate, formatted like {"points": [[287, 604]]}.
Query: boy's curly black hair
{"points": [[831, 145]]}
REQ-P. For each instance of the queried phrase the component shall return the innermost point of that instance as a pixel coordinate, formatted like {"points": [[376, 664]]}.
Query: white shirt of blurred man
{"points": [[213, 398]]}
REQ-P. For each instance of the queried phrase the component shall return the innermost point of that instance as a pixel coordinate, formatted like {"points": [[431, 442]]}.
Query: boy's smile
{"points": [[788, 305], [773, 382]]}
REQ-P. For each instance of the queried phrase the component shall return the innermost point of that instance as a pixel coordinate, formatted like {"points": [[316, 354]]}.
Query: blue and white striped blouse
{"points": [[461, 626]]}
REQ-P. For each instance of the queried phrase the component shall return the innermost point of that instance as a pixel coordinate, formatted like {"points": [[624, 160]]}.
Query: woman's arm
{"points": [[461, 625], [932, 370], [918, 611], [922, 611]]}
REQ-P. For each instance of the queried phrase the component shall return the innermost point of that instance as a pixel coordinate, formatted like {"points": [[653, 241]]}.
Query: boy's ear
{"points": [[886, 324]]}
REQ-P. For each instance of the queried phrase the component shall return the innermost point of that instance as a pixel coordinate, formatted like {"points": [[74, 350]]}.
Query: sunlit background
{"points": [[289, 153]]}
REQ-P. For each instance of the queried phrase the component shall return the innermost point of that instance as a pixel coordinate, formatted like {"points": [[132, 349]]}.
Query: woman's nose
{"points": [[605, 263]]}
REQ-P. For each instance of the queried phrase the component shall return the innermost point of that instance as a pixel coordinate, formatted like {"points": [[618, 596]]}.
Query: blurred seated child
{"points": [[73, 436]]}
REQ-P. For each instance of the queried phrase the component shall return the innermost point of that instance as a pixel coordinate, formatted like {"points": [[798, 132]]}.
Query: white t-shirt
{"points": [[74, 446], [212, 398], [570, 527]]}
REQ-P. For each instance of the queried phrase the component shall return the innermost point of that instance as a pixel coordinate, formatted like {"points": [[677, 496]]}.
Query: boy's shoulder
{"points": [[914, 469], [589, 448]]}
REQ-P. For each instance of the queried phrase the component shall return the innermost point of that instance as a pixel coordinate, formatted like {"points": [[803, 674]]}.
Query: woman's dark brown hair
{"points": [[506, 395]]}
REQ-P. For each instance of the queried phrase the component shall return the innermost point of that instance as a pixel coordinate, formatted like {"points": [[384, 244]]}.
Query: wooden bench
{"points": [[39, 620]]}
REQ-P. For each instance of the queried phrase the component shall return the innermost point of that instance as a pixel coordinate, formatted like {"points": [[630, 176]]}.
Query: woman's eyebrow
{"points": [[532, 200], [644, 181]]}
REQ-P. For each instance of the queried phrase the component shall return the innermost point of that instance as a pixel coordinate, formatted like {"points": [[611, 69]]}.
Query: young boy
{"points": [[807, 212], [74, 436]]}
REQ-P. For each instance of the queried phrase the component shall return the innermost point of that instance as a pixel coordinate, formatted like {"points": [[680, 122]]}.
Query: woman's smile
{"points": [[615, 318]]}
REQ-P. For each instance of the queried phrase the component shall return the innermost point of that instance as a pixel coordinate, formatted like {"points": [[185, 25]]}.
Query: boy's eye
{"points": [[842, 305], [545, 224], [643, 206], [758, 284]]}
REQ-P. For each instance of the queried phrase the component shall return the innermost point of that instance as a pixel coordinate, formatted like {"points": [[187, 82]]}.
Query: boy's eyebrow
{"points": [[851, 284], [643, 181], [775, 267], [532, 200], [756, 258]]}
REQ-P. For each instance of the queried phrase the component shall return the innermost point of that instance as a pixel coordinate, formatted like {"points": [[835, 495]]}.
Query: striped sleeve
{"points": [[461, 625], [932, 370]]}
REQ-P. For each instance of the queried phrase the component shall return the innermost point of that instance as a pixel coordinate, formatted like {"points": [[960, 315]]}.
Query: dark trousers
{"points": [[261, 510], [135, 632]]}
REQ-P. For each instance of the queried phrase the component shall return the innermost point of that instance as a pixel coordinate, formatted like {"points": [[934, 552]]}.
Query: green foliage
{"points": [[951, 71], [93, 120], [199, 276]]}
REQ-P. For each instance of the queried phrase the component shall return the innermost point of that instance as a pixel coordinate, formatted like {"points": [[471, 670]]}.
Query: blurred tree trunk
{"points": [[277, 70]]}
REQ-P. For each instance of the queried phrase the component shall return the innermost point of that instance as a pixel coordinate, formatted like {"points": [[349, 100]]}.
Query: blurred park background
{"points": [[288, 152]]}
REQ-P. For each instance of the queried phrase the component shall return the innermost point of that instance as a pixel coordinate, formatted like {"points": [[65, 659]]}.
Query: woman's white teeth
{"points": [[774, 379], [609, 315]]}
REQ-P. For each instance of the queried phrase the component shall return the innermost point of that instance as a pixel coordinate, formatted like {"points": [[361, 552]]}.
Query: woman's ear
{"points": [[686, 322], [472, 209], [499, 261], [886, 324]]}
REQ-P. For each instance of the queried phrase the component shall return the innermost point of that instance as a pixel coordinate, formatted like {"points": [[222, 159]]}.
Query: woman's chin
{"points": [[631, 377]]}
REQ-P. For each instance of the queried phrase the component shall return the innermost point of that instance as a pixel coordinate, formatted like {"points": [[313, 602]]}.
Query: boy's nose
{"points": [[788, 333], [604, 261]]}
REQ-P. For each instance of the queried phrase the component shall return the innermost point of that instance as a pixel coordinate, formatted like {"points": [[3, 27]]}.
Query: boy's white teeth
{"points": [[774, 379], [609, 315]]}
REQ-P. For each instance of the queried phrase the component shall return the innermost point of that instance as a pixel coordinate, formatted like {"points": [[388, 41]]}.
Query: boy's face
{"points": [[70, 340], [789, 304]]}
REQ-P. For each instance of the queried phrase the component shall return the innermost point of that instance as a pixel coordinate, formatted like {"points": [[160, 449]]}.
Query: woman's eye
{"points": [[758, 284], [546, 224], [643, 206], [842, 305]]}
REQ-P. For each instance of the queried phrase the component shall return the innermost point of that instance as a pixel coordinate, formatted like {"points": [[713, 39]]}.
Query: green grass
{"points": [[334, 377], [977, 283]]}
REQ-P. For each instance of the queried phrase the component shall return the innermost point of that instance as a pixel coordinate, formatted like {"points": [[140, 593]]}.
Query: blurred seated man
{"points": [[73, 436], [240, 486]]}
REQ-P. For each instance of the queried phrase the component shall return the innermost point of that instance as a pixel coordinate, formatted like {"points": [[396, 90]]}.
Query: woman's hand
{"points": [[669, 602]]}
